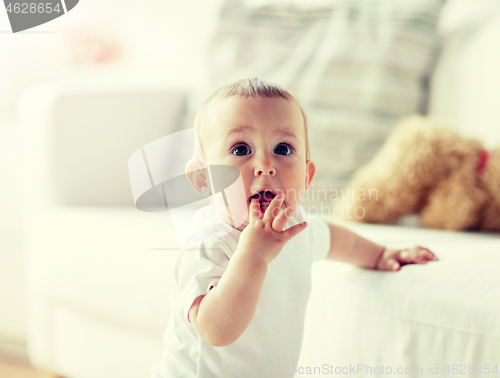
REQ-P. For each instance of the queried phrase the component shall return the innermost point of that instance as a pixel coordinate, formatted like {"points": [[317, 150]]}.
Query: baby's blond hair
{"points": [[251, 87]]}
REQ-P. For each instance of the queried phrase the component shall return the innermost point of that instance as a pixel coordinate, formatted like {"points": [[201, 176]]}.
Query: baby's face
{"points": [[265, 139]]}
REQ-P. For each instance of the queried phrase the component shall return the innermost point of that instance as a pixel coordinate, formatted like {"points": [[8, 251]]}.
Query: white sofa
{"points": [[98, 274], [98, 277], [76, 142]]}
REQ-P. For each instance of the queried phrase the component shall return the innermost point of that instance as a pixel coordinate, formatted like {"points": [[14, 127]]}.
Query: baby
{"points": [[238, 301]]}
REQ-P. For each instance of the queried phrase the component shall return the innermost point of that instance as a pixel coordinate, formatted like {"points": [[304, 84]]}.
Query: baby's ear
{"points": [[195, 172], [310, 172]]}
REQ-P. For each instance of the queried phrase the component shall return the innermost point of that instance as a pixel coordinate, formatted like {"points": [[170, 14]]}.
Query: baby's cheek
{"points": [[292, 199]]}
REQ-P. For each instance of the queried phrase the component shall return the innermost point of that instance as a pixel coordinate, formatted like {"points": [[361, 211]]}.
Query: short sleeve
{"points": [[200, 270], [319, 238]]}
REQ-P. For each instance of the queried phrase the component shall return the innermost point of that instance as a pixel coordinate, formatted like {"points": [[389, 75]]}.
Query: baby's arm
{"points": [[346, 246], [223, 314]]}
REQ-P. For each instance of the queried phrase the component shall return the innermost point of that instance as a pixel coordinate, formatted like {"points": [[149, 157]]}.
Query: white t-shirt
{"points": [[272, 340]]}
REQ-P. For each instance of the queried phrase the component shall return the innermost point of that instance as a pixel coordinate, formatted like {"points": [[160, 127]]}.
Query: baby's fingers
{"points": [[280, 221], [427, 253], [389, 264], [254, 212], [294, 230], [274, 207], [416, 255]]}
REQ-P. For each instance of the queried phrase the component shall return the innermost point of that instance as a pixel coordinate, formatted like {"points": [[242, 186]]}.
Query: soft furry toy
{"points": [[427, 169]]}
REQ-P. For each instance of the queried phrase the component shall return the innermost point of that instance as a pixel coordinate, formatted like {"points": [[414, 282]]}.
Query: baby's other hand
{"points": [[393, 259], [264, 237]]}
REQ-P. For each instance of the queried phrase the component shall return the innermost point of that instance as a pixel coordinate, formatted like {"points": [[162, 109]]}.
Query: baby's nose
{"points": [[265, 168], [264, 172]]}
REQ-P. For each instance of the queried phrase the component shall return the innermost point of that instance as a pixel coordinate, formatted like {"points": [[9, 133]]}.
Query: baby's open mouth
{"points": [[265, 197]]}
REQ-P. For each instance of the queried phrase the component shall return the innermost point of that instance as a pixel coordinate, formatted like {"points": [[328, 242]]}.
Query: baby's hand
{"points": [[392, 259], [264, 236]]}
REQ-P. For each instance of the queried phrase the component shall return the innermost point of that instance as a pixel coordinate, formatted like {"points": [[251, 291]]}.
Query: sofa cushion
{"points": [[444, 312], [355, 66], [466, 84]]}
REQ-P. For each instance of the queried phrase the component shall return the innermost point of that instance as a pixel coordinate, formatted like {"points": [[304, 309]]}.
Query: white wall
{"points": [[163, 41]]}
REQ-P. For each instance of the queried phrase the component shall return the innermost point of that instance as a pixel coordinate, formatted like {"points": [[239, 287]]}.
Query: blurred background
{"points": [[136, 44], [109, 77]]}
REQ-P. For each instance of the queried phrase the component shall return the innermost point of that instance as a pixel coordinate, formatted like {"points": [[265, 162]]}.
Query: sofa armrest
{"points": [[76, 140]]}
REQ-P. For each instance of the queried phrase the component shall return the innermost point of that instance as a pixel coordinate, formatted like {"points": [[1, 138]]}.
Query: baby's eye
{"points": [[283, 149], [241, 150]]}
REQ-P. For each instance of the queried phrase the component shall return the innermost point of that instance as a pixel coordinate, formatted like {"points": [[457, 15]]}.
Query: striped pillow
{"points": [[356, 66]]}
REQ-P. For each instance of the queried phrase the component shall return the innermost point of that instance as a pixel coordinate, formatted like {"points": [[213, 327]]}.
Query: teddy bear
{"points": [[427, 168]]}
